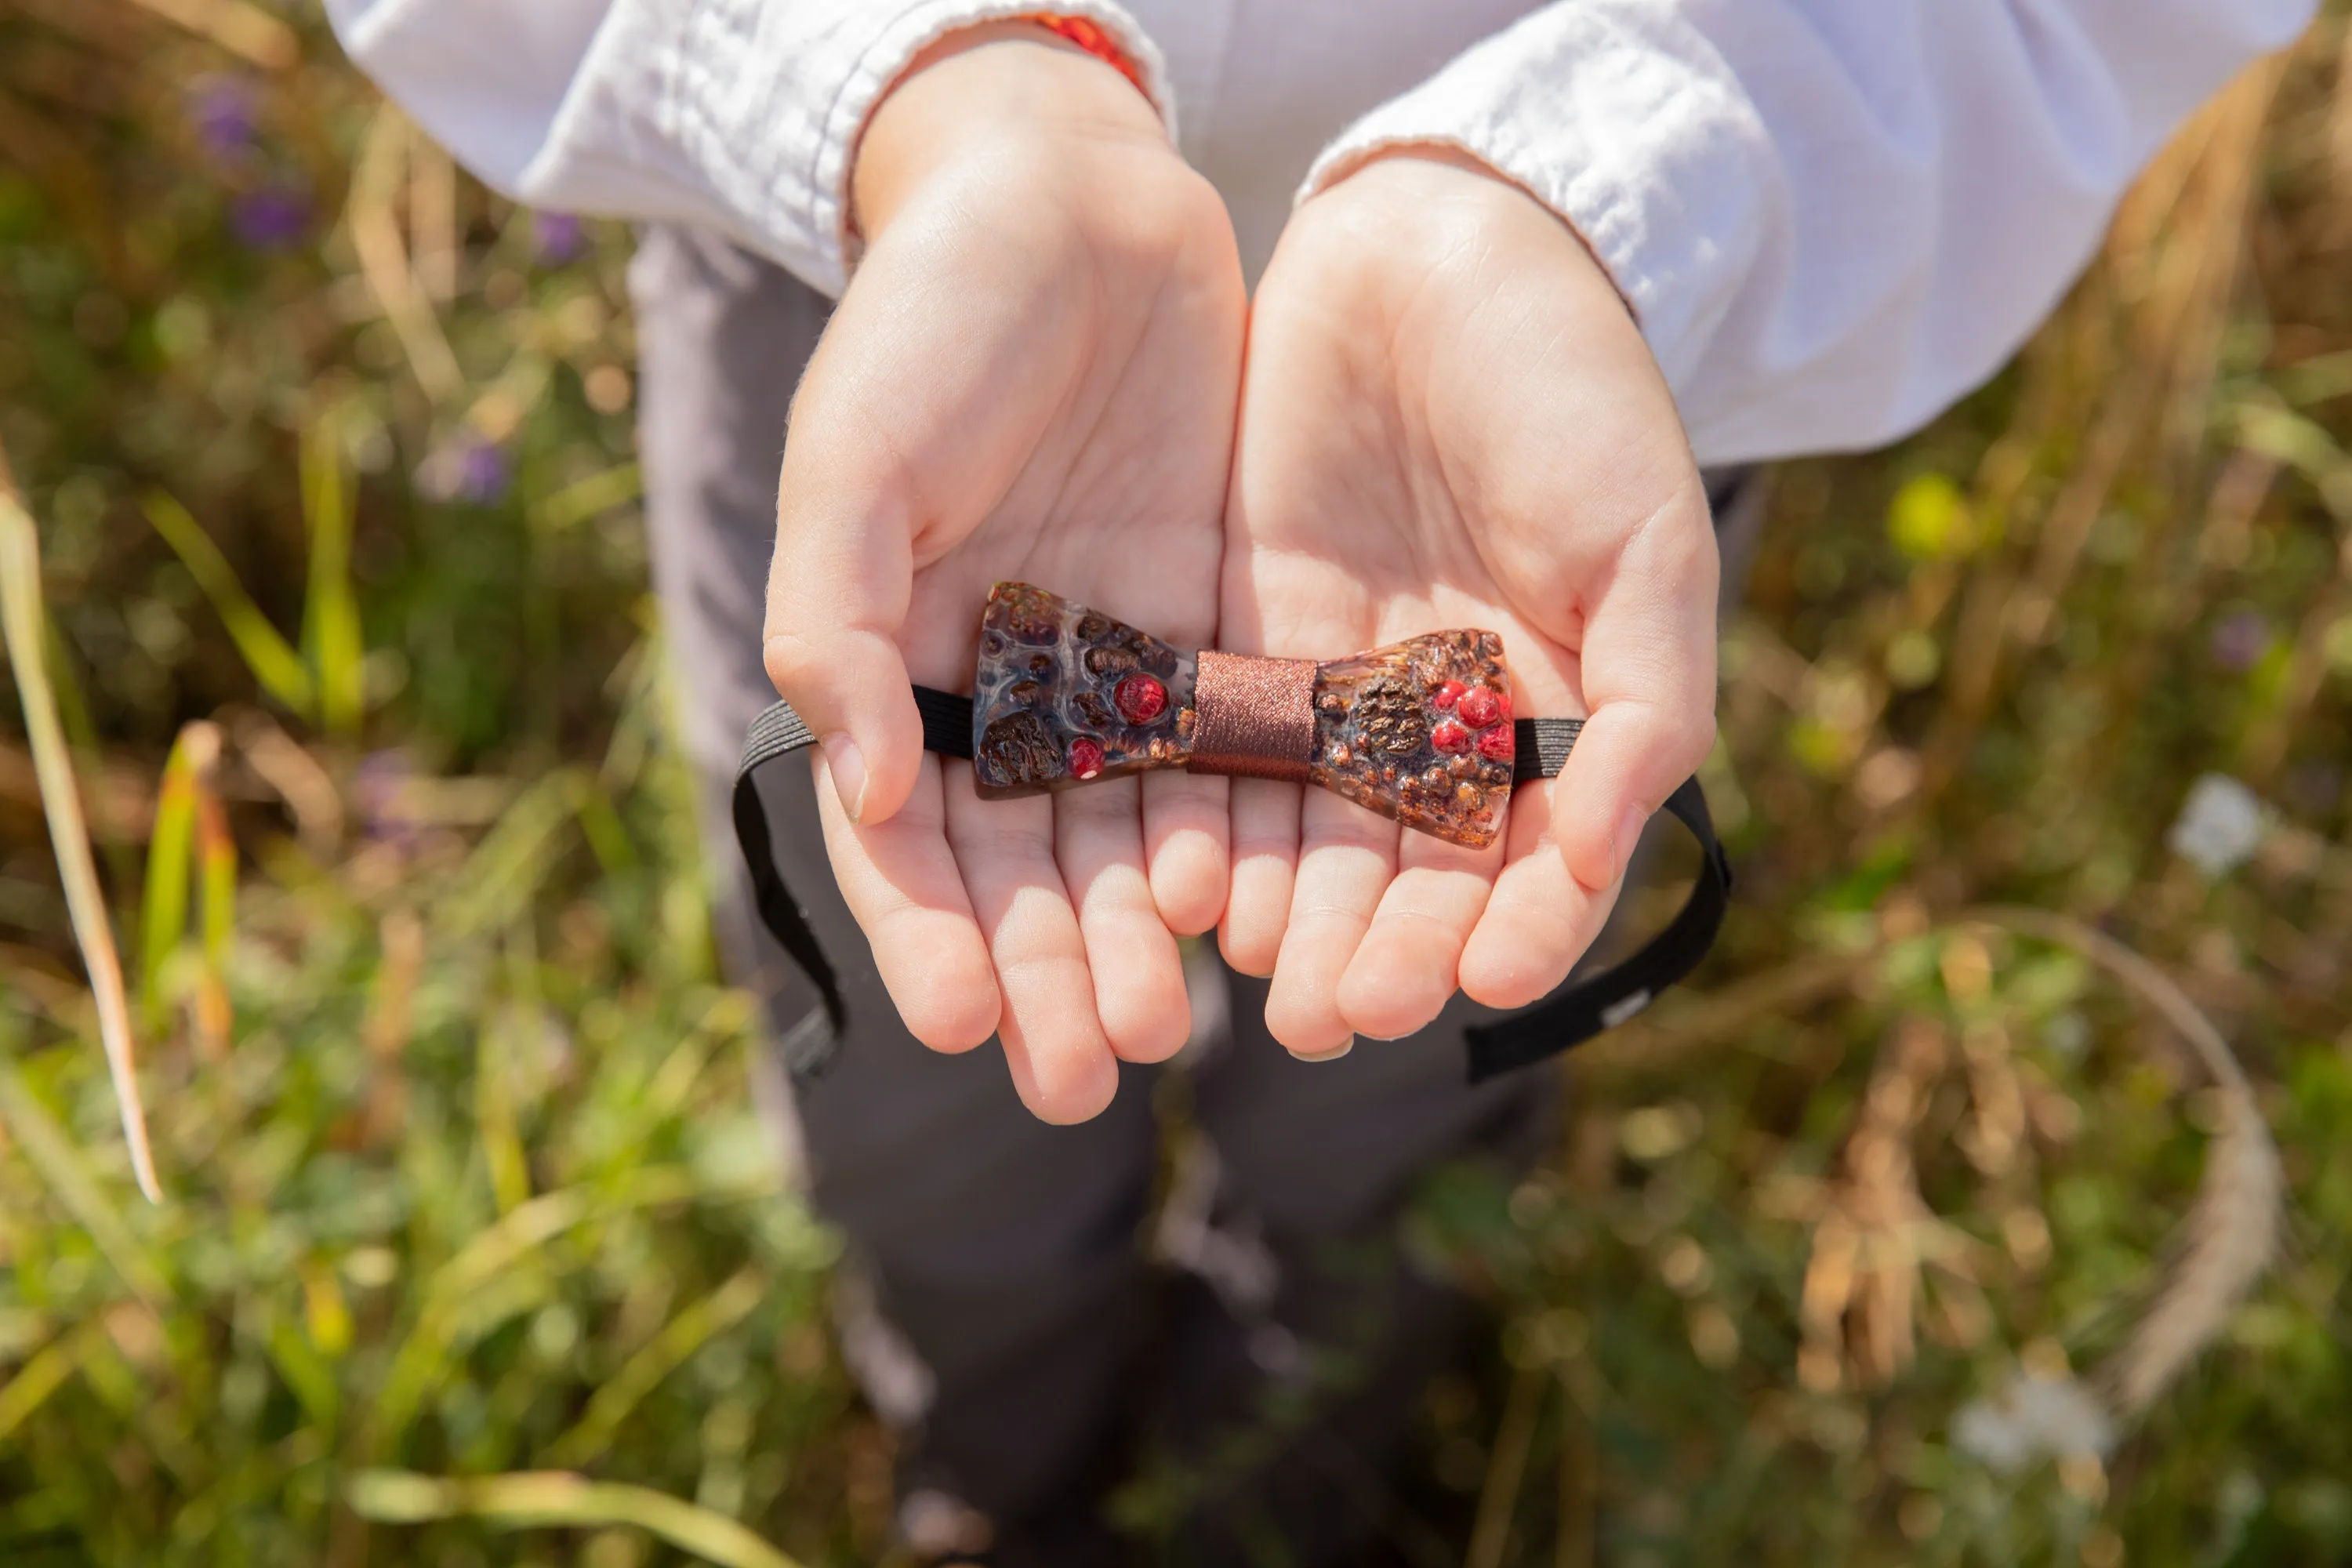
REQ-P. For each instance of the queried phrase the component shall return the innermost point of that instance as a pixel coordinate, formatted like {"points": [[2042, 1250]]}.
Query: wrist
{"points": [[1017, 85], [1439, 194]]}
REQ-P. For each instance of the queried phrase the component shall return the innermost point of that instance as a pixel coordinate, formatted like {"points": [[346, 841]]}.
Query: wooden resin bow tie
{"points": [[1420, 731]]}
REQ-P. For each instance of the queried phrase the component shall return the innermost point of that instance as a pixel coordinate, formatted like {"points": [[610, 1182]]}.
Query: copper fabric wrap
{"points": [[1256, 717]]}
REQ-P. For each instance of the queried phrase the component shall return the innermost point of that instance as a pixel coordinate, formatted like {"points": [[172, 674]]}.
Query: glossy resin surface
{"points": [[1421, 731], [1065, 694]]}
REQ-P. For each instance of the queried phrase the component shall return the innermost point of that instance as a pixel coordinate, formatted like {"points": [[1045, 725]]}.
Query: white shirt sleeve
{"points": [[739, 116], [1833, 217]]}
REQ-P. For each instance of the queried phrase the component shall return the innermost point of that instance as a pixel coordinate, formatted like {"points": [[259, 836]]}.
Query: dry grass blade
{"points": [[243, 29], [300, 779], [21, 606], [1500, 1495], [2339, 138], [387, 1026], [215, 852], [2231, 1234], [383, 259], [1864, 1285], [433, 215], [562, 1499], [2178, 249]]}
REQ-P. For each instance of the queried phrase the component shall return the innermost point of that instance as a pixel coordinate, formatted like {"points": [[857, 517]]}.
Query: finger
{"points": [[906, 893], [1187, 822], [1264, 826], [1347, 858], [1054, 1042], [1648, 670], [1138, 973], [1405, 969], [1539, 919]]}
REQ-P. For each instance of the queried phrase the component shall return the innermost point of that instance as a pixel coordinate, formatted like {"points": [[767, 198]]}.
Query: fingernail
{"points": [[1333, 1055], [848, 769], [1629, 833]]}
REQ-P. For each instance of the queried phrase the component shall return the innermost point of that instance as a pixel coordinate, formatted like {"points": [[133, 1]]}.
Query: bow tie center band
{"points": [[1421, 731]]}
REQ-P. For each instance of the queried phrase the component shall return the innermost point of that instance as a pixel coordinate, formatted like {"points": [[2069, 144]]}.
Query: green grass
{"points": [[473, 1248]]}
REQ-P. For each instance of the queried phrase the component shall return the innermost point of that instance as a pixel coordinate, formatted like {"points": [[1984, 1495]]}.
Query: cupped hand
{"points": [[1450, 420], [1032, 374]]}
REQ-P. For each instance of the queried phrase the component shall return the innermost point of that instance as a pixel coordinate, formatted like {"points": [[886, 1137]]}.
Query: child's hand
{"points": [[1032, 376], [1450, 420]]}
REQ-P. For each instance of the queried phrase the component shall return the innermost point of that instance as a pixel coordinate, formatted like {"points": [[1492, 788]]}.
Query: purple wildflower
{"points": [[376, 789], [466, 469], [271, 218], [2241, 640], [223, 111], [483, 473], [559, 237]]}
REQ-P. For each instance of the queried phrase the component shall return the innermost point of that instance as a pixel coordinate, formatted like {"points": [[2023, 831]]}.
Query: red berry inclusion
{"points": [[1140, 698]]}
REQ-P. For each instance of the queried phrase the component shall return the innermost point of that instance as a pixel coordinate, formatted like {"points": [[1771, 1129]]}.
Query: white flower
{"points": [[2039, 1417], [2220, 826], [937, 1525]]}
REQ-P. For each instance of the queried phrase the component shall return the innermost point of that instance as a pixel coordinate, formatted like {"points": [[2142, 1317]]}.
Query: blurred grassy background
{"points": [[332, 455]]}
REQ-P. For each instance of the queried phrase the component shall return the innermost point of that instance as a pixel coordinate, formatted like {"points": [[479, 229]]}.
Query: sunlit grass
{"points": [[473, 1248]]}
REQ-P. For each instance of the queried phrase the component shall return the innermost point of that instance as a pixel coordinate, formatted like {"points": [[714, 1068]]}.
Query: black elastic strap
{"points": [[1567, 1019], [1574, 1014], [772, 734]]}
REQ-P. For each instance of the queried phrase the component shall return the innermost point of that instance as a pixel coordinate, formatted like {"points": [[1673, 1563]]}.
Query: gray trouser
{"points": [[1014, 1331]]}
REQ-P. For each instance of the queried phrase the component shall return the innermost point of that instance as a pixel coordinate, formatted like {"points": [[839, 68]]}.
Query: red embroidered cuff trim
{"points": [[1090, 37]]}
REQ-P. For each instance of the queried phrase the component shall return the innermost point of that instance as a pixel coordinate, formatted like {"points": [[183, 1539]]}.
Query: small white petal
{"points": [[2220, 826]]}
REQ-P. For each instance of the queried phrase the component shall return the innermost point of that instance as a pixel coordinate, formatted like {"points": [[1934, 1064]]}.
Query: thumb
{"points": [[837, 597], [1629, 757], [869, 435], [924, 400], [1648, 675]]}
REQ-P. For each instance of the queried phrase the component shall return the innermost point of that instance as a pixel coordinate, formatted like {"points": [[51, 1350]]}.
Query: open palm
{"points": [[1449, 420], [1022, 381]]}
